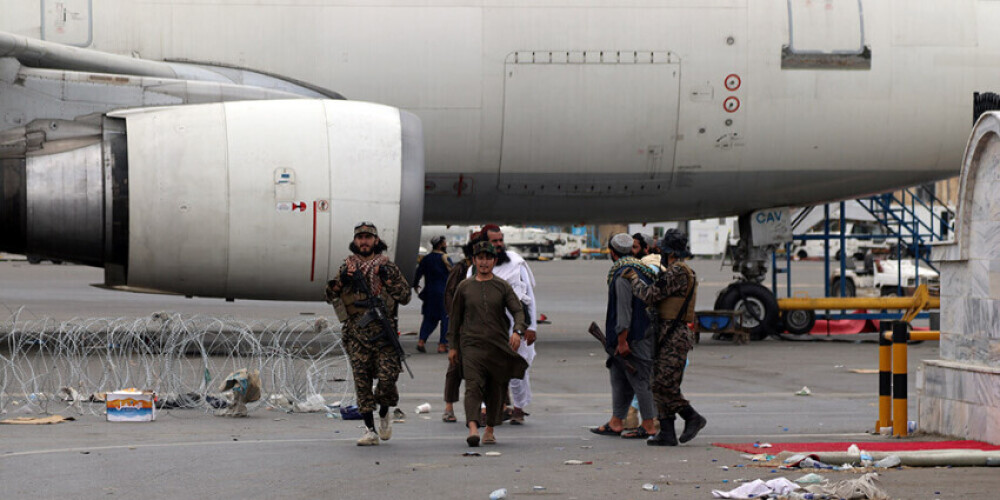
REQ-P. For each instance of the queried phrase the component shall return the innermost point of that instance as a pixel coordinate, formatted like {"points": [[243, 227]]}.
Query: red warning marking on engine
{"points": [[731, 104], [733, 82], [288, 206]]}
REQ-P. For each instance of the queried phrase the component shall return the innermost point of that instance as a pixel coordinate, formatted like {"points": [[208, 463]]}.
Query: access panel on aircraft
{"points": [[587, 114]]}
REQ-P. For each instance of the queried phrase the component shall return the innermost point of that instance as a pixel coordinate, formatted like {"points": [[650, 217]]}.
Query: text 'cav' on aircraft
{"points": [[226, 149]]}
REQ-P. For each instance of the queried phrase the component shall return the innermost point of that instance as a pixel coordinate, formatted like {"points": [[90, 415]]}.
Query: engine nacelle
{"points": [[250, 199]]}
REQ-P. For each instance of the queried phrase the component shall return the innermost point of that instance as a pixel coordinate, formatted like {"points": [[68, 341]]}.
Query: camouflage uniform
{"points": [[671, 348], [371, 359]]}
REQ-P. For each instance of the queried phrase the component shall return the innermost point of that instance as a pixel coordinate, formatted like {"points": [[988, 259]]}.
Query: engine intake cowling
{"points": [[249, 199]]}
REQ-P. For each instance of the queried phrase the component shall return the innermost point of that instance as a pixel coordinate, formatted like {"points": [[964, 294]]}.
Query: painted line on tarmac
{"points": [[91, 449], [735, 395], [732, 413]]}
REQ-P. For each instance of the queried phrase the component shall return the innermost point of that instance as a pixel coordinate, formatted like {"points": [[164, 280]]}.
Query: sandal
{"points": [[449, 416], [420, 346], [472, 441], [605, 430], [442, 348], [637, 433], [489, 438]]}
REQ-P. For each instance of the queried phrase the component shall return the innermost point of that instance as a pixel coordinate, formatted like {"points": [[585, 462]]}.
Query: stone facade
{"points": [[959, 394]]}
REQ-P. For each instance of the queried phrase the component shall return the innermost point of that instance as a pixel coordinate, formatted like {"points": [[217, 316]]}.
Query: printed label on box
{"points": [[131, 407]]}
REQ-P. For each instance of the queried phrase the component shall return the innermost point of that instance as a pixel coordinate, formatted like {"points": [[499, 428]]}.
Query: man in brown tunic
{"points": [[479, 334]]}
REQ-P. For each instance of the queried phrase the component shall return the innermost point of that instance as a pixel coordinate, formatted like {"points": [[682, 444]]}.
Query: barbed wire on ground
{"points": [[65, 367]]}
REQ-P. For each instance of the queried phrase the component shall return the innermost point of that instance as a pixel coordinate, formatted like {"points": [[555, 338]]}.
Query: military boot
{"points": [[693, 422], [667, 435]]}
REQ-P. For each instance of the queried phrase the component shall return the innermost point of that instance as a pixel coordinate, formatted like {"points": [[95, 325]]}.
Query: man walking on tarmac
{"points": [[629, 342], [512, 268], [434, 269], [479, 337], [370, 356], [674, 294]]}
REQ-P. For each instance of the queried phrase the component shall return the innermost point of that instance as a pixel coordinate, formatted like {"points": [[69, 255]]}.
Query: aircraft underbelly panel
{"points": [[560, 117]]}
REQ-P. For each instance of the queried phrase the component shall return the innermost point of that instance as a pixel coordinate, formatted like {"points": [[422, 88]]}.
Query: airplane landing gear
{"points": [[758, 305]]}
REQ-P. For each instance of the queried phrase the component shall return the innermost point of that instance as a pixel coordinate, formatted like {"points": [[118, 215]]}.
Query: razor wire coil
{"points": [[63, 367]]}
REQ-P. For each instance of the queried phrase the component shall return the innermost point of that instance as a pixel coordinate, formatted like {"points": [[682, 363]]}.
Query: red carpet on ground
{"points": [[882, 446]]}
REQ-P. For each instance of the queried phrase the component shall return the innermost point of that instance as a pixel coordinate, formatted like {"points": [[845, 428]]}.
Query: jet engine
{"points": [[242, 199]]}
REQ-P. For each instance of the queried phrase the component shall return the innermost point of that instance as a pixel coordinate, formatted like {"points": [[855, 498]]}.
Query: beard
{"points": [[357, 250], [502, 257]]}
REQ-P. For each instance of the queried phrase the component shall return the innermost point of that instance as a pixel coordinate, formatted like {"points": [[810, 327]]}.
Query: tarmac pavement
{"points": [[746, 392]]}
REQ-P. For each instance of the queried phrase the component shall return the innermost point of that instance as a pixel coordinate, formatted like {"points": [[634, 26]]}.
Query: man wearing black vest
{"points": [[629, 342]]}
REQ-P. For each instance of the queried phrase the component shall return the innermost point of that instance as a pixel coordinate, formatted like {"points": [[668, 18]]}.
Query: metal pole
{"points": [[884, 378], [788, 266], [826, 250], [774, 273], [843, 252], [899, 361]]}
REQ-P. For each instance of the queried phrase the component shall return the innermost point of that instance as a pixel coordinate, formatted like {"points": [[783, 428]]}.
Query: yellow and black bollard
{"points": [[884, 377], [899, 340]]}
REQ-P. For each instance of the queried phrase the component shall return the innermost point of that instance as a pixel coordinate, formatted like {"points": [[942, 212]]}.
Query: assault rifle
{"points": [[378, 312], [615, 358]]}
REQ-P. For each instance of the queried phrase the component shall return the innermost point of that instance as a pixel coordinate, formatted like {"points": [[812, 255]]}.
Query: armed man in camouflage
{"points": [[371, 357], [674, 294]]}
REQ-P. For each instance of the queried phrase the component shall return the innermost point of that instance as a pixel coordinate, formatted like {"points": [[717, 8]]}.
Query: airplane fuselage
{"points": [[590, 111]]}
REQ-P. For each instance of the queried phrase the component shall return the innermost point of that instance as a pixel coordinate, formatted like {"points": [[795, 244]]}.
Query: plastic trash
{"points": [[816, 464], [577, 462], [811, 478], [888, 461], [350, 412], [498, 494], [804, 391], [426, 408], [650, 487], [493, 453], [314, 403], [794, 459]]}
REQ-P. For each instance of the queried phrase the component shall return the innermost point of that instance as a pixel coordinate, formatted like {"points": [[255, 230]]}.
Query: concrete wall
{"points": [[959, 394]]}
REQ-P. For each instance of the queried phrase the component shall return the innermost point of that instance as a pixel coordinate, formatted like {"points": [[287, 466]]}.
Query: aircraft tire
{"points": [[758, 304], [798, 322]]}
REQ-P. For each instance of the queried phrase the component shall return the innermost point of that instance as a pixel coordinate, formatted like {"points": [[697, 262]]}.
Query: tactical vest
{"points": [[670, 307], [349, 296]]}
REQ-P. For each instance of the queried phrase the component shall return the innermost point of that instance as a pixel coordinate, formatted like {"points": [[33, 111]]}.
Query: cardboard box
{"points": [[131, 406]]}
